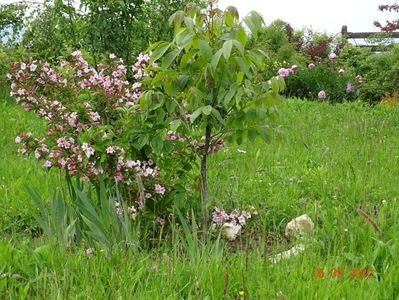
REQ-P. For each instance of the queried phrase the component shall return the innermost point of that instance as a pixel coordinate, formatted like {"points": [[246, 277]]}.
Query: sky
{"points": [[321, 15]]}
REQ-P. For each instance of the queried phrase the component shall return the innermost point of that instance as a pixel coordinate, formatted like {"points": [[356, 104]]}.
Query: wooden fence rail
{"points": [[365, 35]]}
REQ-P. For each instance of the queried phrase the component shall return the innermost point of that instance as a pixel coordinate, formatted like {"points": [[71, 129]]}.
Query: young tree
{"points": [[210, 83]]}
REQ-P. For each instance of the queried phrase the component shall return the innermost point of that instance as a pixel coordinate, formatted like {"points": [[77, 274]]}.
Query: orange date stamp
{"points": [[335, 273]]}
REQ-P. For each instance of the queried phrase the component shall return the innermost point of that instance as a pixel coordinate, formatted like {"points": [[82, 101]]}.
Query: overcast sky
{"points": [[322, 15]]}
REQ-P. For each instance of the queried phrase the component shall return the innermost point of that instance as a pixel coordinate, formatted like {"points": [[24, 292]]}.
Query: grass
{"points": [[330, 160]]}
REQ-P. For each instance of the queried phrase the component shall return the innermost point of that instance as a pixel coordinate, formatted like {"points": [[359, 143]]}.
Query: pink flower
{"points": [[311, 66], [332, 56], [94, 116], [159, 189], [283, 72], [33, 67], [63, 143], [294, 68], [18, 139], [47, 164], [322, 95], [110, 150], [88, 150]]}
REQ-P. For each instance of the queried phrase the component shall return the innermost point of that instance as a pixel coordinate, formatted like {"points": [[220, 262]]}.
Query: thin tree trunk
{"points": [[204, 181]]}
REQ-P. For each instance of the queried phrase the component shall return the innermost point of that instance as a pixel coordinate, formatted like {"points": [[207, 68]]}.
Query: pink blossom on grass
{"points": [[322, 94]]}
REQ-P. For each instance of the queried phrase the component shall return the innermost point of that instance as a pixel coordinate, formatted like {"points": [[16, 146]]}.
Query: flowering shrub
{"points": [[94, 128], [324, 79]]}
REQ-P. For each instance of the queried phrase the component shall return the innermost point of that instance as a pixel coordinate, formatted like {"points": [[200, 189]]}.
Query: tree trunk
{"points": [[204, 181]]}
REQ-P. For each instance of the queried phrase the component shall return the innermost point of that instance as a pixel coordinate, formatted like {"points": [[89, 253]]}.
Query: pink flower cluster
{"points": [[75, 99], [285, 72], [219, 216]]}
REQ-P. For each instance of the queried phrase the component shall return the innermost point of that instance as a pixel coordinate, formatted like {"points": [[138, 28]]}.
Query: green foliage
{"points": [[210, 82], [379, 70], [12, 22], [209, 72], [307, 83], [381, 74], [282, 45]]}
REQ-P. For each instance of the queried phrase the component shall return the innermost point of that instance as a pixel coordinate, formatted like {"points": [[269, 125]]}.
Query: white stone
{"points": [[294, 251], [230, 231], [299, 226]]}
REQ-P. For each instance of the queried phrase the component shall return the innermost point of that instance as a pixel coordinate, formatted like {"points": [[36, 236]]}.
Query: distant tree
{"points": [[11, 23], [389, 25]]}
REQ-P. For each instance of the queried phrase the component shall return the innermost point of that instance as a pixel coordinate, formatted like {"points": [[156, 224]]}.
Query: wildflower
{"points": [[47, 164], [332, 56], [159, 189], [322, 95], [23, 66], [341, 71], [148, 195], [294, 68], [311, 66], [88, 150], [350, 87], [359, 79], [112, 56]]}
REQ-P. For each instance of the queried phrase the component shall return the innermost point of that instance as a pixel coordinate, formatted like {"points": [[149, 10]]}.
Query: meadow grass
{"points": [[328, 161]]}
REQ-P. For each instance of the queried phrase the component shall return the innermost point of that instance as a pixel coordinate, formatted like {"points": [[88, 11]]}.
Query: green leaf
{"points": [[195, 115], [143, 140], [244, 66], [230, 94], [159, 51], [205, 49], [216, 58], [240, 77], [206, 110], [176, 18], [229, 19], [239, 46], [252, 134], [174, 125], [187, 57], [254, 22], [183, 37], [157, 143], [169, 58], [242, 36], [227, 46], [218, 117]]}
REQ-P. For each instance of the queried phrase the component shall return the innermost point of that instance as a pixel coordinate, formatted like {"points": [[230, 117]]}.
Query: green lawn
{"points": [[330, 160]]}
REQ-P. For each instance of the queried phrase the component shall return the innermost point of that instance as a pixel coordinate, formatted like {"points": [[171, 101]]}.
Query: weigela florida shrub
{"points": [[94, 128]]}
